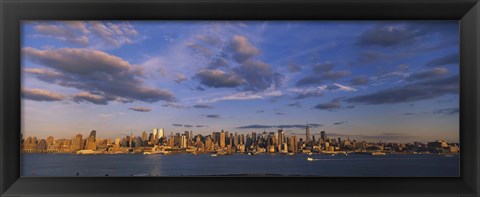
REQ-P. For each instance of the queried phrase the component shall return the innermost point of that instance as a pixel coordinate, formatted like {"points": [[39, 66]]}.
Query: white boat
{"points": [[155, 153], [309, 159], [213, 155], [378, 153]]}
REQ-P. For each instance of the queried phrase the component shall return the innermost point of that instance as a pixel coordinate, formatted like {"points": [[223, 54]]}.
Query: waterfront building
{"points": [[241, 148], [323, 136], [138, 142], [199, 145], [222, 139], [91, 143], [187, 134], [284, 148], [360, 145], [150, 138], [50, 140], [42, 145], [454, 149], [77, 142], [160, 133], [437, 144], [93, 134], [184, 142], [230, 140], [171, 142], [280, 137], [155, 131], [293, 144], [177, 139], [236, 139], [242, 139], [30, 143], [216, 137], [307, 133]]}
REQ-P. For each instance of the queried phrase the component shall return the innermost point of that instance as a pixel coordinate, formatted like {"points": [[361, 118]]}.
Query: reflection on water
{"points": [[239, 165]]}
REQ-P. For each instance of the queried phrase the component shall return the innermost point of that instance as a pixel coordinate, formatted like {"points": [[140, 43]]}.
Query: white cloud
{"points": [[247, 95], [41, 95], [319, 90], [94, 34], [344, 88]]}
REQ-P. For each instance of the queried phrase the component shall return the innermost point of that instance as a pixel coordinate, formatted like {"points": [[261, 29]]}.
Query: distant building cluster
{"points": [[225, 142]]}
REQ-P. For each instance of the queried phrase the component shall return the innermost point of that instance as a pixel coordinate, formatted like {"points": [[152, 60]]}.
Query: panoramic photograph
{"points": [[240, 98]]}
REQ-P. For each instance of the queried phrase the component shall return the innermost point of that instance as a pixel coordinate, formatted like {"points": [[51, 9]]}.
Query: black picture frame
{"points": [[12, 12]]}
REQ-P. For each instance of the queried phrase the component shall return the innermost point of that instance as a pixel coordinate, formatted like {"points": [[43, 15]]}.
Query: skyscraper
{"points": [[293, 144], [160, 133], [307, 133], [42, 145], [171, 141], [236, 140], [216, 137], [323, 136], [130, 140], [138, 142], [93, 134], [208, 143], [77, 142], [155, 130], [91, 143], [280, 137], [242, 139], [183, 141], [50, 140], [177, 139], [222, 139], [188, 135]]}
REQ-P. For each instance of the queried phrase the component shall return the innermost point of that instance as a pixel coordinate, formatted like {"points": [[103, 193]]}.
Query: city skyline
{"points": [[225, 143], [387, 81]]}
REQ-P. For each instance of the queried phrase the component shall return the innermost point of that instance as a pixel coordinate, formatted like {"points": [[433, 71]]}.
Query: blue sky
{"points": [[370, 80]]}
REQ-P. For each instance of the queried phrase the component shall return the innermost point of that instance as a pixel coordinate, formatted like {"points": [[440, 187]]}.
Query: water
{"points": [[353, 165]]}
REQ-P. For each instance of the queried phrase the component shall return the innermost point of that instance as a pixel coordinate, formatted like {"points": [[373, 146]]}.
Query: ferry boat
{"points": [[156, 152]]}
